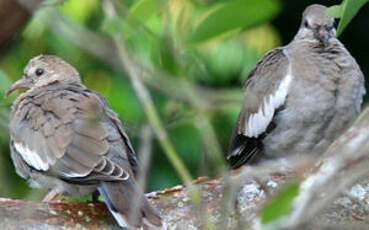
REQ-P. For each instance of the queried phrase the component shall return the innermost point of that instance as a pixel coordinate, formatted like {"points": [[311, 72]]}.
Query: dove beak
{"points": [[323, 35], [21, 83]]}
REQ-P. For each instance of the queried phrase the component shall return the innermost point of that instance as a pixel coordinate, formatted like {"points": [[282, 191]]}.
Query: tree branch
{"points": [[330, 196]]}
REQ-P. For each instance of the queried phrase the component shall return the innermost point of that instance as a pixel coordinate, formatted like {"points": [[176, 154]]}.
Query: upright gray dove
{"points": [[299, 97], [66, 138]]}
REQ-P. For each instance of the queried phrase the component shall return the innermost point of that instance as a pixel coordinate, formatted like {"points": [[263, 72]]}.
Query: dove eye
{"points": [[39, 72], [306, 24]]}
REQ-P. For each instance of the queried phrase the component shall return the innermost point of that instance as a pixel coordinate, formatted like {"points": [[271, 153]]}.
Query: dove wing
{"points": [[266, 91], [67, 133]]}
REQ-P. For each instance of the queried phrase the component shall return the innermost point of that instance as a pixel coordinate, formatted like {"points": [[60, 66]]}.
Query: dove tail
{"points": [[128, 204], [244, 150]]}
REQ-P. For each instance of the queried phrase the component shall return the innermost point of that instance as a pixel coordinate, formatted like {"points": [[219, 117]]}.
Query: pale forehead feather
{"points": [[49, 62], [316, 14]]}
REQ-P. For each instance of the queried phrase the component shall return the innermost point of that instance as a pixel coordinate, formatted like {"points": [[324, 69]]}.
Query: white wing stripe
{"points": [[68, 173], [258, 122], [30, 157], [118, 217]]}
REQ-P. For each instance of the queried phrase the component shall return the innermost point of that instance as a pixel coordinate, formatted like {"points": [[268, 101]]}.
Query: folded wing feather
{"points": [[74, 148], [266, 91]]}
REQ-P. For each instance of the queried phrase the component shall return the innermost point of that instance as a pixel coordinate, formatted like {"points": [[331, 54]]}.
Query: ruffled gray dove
{"points": [[299, 98], [66, 138]]}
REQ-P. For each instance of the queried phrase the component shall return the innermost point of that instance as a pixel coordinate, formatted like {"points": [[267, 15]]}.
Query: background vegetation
{"points": [[192, 55]]}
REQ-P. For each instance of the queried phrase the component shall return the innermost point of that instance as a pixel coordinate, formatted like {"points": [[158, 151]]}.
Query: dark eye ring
{"points": [[39, 72]]}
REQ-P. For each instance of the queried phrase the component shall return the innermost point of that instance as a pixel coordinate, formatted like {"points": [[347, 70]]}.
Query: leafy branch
{"points": [[346, 11]]}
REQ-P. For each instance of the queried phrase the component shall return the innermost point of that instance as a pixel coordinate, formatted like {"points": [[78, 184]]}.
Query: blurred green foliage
{"points": [[212, 44]]}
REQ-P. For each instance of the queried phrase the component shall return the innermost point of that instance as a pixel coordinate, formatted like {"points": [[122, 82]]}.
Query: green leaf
{"points": [[112, 26], [127, 22], [141, 12], [79, 11], [281, 204], [346, 12], [230, 15], [144, 9], [334, 11], [168, 58]]}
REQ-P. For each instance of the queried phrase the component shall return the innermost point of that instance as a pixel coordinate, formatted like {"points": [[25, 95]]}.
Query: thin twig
{"points": [[134, 74]]}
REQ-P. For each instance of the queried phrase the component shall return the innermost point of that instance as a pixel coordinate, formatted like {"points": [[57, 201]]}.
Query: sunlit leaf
{"points": [[144, 9], [181, 13], [231, 15], [281, 204], [141, 12], [81, 10], [346, 12]]}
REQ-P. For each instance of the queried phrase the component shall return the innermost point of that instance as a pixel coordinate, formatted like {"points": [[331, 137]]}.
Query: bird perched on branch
{"points": [[66, 138], [299, 97]]}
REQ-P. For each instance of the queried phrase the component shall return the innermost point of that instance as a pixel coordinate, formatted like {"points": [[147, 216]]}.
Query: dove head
{"points": [[316, 25], [45, 70]]}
